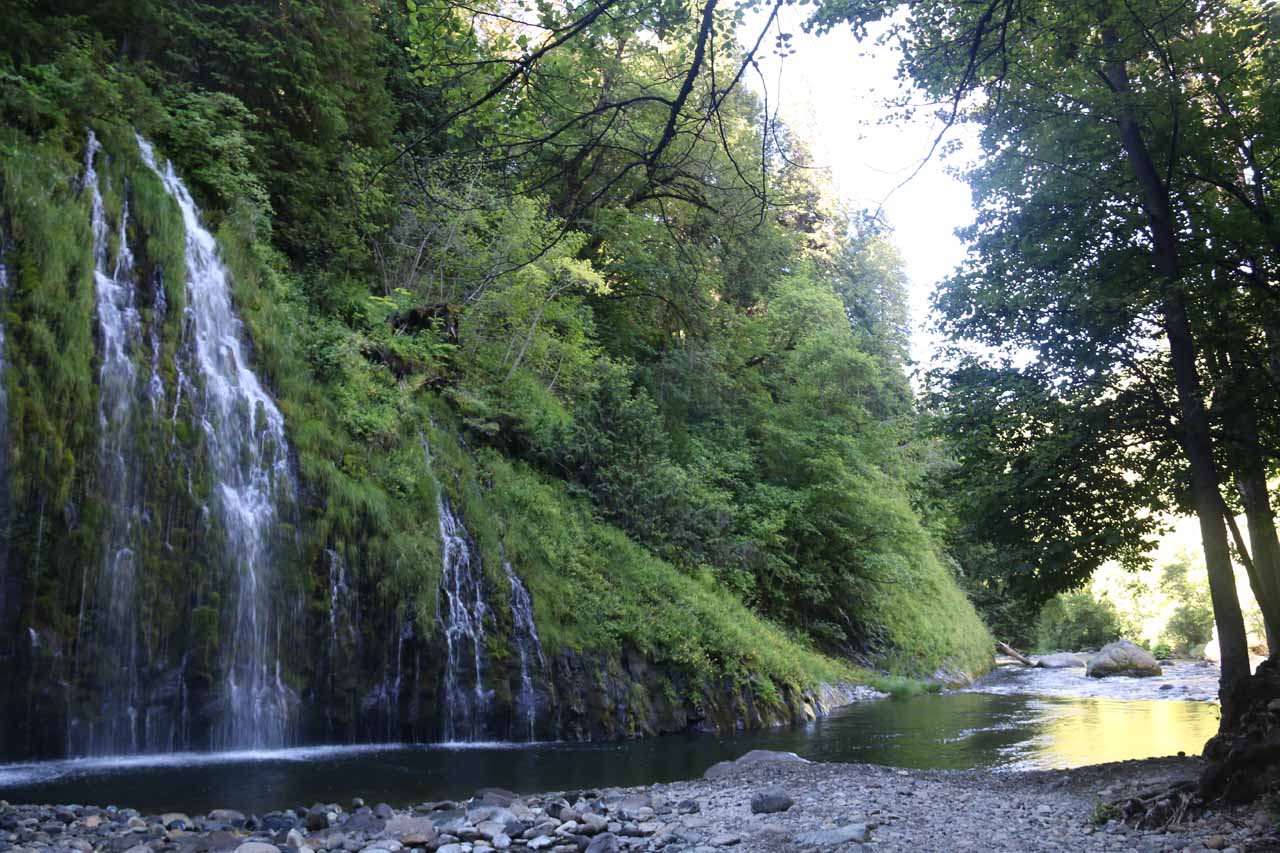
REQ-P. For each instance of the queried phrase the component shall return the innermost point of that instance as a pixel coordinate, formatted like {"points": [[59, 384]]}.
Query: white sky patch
{"points": [[832, 91]]}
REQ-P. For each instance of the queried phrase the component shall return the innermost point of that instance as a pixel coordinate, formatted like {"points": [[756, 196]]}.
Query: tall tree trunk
{"points": [[1196, 438], [1197, 444], [1261, 555], [1251, 485]]}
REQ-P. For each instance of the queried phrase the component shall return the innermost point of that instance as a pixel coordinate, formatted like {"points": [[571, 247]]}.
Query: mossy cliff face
{"points": [[579, 631]]}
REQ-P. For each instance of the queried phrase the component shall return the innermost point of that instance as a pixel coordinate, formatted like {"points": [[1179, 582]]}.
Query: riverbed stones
{"points": [[1123, 658], [412, 831], [836, 808], [771, 800]]}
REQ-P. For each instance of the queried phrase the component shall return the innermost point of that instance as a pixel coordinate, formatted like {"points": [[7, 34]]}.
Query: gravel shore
{"points": [[764, 802]]}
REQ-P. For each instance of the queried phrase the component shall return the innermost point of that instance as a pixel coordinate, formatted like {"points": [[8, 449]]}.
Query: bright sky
{"points": [[832, 92]]}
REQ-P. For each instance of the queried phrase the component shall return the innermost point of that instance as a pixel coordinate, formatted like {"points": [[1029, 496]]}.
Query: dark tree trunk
{"points": [[1195, 436], [1251, 485]]}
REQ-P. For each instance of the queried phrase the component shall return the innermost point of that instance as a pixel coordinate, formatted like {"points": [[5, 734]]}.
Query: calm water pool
{"points": [[1001, 723]]}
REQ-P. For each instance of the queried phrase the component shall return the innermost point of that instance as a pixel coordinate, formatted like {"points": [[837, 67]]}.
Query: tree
{"points": [[1092, 112]]}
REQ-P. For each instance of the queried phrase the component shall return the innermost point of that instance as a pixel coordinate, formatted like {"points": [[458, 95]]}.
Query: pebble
{"points": [[257, 847]]}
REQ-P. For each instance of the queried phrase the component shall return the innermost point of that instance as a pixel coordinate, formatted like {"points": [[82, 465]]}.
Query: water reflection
{"points": [[952, 731], [1091, 731]]}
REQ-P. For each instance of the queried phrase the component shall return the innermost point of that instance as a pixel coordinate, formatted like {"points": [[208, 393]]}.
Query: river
{"points": [[1012, 719]]}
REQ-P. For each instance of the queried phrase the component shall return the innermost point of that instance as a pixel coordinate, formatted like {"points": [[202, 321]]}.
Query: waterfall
{"points": [[159, 307], [528, 647], [115, 627], [460, 613], [5, 509], [382, 704], [249, 466], [339, 589]]}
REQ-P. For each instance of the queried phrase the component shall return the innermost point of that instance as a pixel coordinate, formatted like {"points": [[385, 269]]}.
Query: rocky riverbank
{"points": [[764, 801]]}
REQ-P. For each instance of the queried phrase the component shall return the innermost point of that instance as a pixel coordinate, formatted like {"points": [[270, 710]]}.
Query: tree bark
{"points": [[1251, 485], [1245, 463], [1195, 435]]}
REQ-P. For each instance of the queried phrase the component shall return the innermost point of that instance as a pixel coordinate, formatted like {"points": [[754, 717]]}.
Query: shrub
{"points": [[1190, 625], [1076, 620]]}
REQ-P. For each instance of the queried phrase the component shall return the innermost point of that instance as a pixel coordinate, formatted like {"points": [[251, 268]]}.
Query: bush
{"points": [[1076, 620], [1189, 626]]}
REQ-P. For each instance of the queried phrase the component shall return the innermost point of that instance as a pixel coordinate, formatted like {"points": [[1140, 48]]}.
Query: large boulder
{"points": [[1122, 658], [754, 758]]}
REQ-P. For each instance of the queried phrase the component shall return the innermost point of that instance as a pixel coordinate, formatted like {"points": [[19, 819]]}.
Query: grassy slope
{"points": [[593, 587]]}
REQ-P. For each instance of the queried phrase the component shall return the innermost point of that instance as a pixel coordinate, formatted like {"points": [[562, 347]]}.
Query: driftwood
{"points": [[1005, 648], [1162, 808]]}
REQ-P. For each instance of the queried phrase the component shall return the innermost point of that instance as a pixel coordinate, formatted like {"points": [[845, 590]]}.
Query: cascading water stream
{"points": [[249, 463], [115, 621], [5, 508], [155, 387], [339, 590], [461, 612], [529, 648]]}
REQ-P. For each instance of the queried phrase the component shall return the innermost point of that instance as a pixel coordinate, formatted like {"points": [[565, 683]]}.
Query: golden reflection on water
{"points": [[1092, 731]]}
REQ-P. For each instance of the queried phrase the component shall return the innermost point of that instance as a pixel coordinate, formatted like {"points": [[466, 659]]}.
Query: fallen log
{"points": [[1006, 649]]}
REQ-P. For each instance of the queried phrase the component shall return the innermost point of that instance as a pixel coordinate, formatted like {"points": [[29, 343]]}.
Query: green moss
{"points": [[902, 687]]}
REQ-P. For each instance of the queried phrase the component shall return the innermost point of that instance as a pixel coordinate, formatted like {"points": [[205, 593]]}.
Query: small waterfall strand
{"points": [[460, 611], [529, 648]]}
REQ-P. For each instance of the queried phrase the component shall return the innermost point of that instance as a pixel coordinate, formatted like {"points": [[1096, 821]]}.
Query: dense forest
{"points": [[382, 370]]}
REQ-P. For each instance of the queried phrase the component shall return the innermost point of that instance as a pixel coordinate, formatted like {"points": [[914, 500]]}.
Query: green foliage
{"points": [[1062, 410], [1190, 626], [1076, 620], [595, 589], [902, 687], [48, 320]]}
